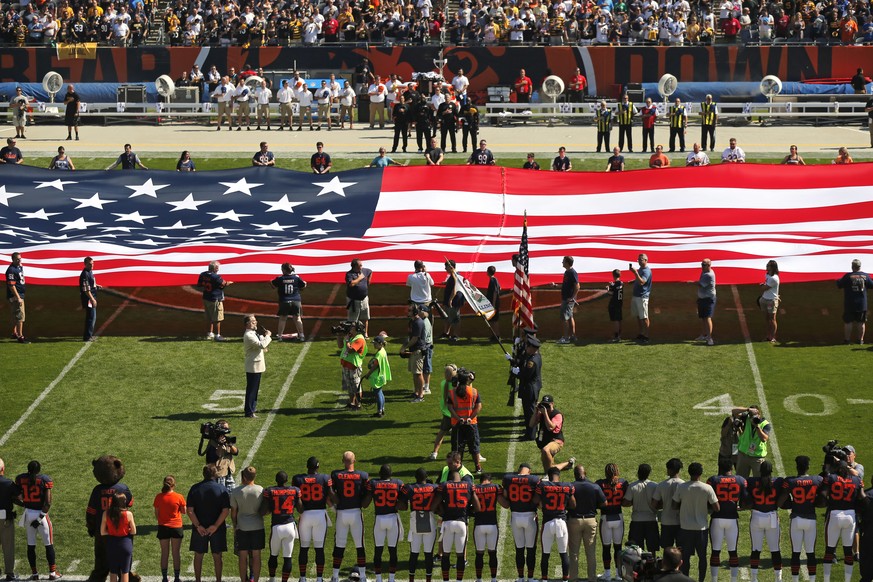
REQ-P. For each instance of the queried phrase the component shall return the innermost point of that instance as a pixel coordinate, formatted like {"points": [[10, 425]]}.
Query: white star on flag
{"points": [[58, 184], [78, 224], [275, 226], [333, 186], [40, 214], [147, 242], [229, 215], [216, 230], [281, 204], [187, 204], [93, 202], [239, 186], [127, 229], [315, 232], [177, 226], [134, 216], [147, 189], [326, 215], [5, 196]]}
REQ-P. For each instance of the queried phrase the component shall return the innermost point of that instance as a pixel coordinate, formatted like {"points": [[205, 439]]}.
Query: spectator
{"points": [[320, 161], [659, 160], [169, 507], [854, 286], [706, 301], [10, 154], [248, 524], [18, 107], [263, 157], [641, 292], [128, 160], [733, 154], [769, 299], [481, 156], [212, 285], [185, 163], [434, 154], [531, 163], [357, 293], [615, 163], [843, 156], [793, 158], [697, 157], [562, 163]]}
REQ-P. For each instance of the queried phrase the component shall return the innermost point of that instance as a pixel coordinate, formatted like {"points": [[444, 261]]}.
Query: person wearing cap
{"points": [[379, 373], [529, 371], [551, 435], [354, 349], [465, 404], [854, 286], [752, 441], [415, 350], [18, 107], [856, 469], [10, 154], [420, 283]]}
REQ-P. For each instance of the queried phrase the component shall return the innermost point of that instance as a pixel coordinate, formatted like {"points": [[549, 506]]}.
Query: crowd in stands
{"points": [[253, 23]]}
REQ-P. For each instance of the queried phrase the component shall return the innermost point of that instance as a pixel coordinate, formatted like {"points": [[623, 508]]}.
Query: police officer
{"points": [[7, 522], [469, 124], [678, 125], [530, 381], [423, 125], [401, 115], [447, 115]]}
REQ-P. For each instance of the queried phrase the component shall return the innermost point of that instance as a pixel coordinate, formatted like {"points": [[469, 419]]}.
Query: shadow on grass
{"points": [[164, 340]]}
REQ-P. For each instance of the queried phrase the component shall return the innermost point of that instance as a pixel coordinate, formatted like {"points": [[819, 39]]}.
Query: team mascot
{"points": [[109, 471]]}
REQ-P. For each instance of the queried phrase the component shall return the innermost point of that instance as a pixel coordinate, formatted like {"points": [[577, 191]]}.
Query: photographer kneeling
{"points": [[752, 442], [670, 565], [550, 440], [354, 348], [221, 451]]}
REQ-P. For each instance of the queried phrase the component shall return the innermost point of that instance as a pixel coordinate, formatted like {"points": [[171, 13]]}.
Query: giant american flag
{"points": [[162, 228]]}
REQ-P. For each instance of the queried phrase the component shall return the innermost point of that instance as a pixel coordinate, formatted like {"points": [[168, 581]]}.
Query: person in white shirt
{"points": [[120, 33], [516, 31], [196, 76], [224, 96], [284, 96], [765, 27], [377, 92], [322, 94], [241, 97], [348, 101], [310, 32], [733, 154], [335, 89], [697, 157], [304, 97], [213, 78], [391, 90], [677, 31], [460, 84], [420, 283], [424, 8], [263, 94]]}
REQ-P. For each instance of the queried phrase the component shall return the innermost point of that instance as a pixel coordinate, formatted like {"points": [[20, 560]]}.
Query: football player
{"points": [[315, 494], [454, 497], [555, 497], [518, 493], [35, 494], [418, 498], [763, 494], [803, 490], [841, 490], [724, 527], [384, 493], [349, 486], [485, 528], [279, 502], [611, 519]]}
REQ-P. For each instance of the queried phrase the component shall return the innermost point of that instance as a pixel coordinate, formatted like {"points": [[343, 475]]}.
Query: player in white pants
{"points": [[724, 532], [282, 540], [841, 524], [765, 525], [803, 534]]}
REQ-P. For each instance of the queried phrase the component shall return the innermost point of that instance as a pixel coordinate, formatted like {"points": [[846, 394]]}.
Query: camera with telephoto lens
{"points": [[342, 327], [463, 377], [212, 432], [834, 455], [639, 566]]}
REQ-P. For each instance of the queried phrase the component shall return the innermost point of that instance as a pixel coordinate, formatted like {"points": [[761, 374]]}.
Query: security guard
{"points": [[625, 113], [604, 126], [530, 382], [708, 121], [678, 125]]}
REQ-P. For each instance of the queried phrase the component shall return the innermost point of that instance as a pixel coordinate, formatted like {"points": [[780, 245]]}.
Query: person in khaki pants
{"points": [[7, 522], [582, 524]]}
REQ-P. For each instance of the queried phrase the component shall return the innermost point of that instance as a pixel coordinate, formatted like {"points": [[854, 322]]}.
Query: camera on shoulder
{"points": [[342, 327], [212, 432]]}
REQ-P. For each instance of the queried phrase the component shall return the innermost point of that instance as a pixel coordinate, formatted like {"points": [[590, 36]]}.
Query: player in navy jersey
{"points": [[454, 497], [316, 494], [616, 302], [418, 498], [35, 494], [279, 502], [764, 523], [802, 490], [842, 491], [212, 285], [384, 493], [724, 526], [288, 286], [485, 528], [555, 498], [100, 500], [611, 519], [518, 493], [349, 486]]}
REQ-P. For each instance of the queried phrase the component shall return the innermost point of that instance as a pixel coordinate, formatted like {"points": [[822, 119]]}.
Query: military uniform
{"points": [[530, 382]]}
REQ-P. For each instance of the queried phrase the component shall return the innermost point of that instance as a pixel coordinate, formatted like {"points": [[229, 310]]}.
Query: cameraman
{"points": [[856, 469], [551, 437], [354, 348], [752, 441], [220, 452], [670, 565]]}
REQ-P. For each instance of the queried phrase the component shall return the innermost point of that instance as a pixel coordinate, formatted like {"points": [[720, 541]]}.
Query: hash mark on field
{"points": [[271, 416], [44, 394], [73, 565], [756, 374], [134, 565], [858, 401]]}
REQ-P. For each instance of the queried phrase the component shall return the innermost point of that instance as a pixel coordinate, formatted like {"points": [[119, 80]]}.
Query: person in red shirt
{"points": [[578, 87], [169, 508], [119, 528], [649, 115], [523, 87]]}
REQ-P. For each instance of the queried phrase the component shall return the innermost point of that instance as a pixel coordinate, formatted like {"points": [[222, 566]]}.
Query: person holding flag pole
{"points": [[474, 297], [522, 312]]}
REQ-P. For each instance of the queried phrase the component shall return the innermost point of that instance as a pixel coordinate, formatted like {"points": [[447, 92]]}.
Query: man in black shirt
{"points": [[320, 160], [401, 116], [582, 523], [469, 125], [670, 566], [8, 493], [208, 505], [447, 114]]}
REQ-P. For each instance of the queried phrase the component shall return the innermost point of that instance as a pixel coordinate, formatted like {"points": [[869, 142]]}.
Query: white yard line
{"points": [[271, 416], [48, 389], [759, 385], [503, 523]]}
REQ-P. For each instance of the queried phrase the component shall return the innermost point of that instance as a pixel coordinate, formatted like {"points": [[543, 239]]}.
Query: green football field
{"points": [[143, 389]]}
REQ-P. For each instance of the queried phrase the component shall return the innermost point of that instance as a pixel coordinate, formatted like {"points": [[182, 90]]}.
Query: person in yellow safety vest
{"points": [[753, 439], [625, 112], [678, 125], [354, 349], [379, 373], [603, 117], [464, 405], [708, 121]]}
